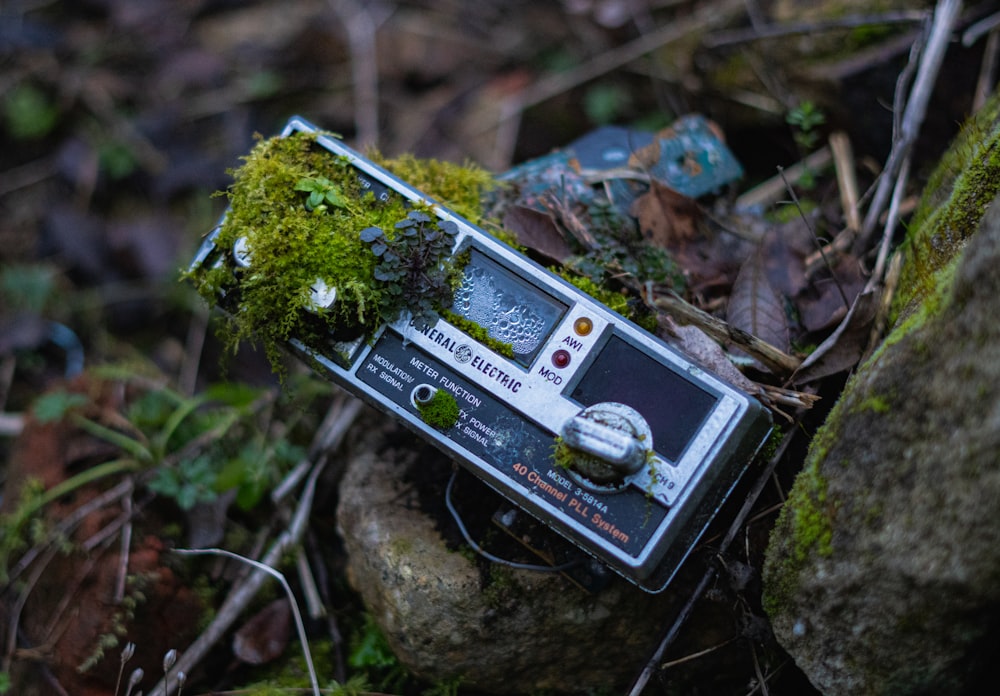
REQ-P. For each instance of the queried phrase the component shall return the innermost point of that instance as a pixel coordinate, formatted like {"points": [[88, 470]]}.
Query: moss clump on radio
{"points": [[301, 211], [480, 333], [440, 411], [459, 187]]}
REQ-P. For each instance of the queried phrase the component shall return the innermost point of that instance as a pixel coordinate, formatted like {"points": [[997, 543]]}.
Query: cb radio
{"points": [[616, 441]]}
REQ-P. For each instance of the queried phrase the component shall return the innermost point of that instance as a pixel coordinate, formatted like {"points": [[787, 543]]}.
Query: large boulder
{"points": [[883, 571], [447, 615]]}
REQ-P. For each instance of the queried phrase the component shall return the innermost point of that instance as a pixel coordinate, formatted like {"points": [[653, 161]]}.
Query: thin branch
{"points": [[775, 359], [987, 70], [774, 31], [710, 572], [265, 568], [945, 16]]}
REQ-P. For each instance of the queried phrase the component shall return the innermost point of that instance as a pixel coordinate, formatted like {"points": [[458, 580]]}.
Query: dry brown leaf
{"points": [[264, 636], [666, 218], [845, 346], [756, 307], [537, 231]]}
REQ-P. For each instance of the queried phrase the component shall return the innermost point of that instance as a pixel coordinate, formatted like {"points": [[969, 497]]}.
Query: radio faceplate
{"points": [[598, 429]]}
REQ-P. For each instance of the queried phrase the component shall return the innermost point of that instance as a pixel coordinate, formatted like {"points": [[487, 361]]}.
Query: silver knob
{"points": [[615, 436]]}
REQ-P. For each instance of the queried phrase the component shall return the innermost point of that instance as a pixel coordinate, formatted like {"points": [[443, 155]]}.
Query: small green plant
{"points": [[191, 482], [322, 192], [414, 267], [806, 118], [370, 652], [30, 114]]}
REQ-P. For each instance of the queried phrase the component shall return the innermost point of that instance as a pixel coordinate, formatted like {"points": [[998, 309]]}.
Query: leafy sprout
{"points": [[414, 264], [322, 192]]}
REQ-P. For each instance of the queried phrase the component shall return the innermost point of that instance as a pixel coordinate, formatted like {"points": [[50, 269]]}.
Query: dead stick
{"points": [[774, 31], [243, 594], [945, 15], [847, 181], [777, 360], [734, 528]]}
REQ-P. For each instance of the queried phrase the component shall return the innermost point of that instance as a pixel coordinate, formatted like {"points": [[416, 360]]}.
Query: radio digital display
{"points": [[673, 422]]}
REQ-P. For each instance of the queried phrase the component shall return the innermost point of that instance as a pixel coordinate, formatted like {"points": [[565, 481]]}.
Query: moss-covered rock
{"points": [[883, 571]]}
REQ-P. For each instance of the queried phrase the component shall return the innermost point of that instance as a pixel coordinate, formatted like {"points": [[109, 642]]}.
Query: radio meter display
{"points": [[511, 310], [627, 375]]}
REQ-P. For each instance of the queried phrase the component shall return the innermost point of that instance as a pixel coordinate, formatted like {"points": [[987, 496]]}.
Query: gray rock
{"points": [[511, 631], [883, 572]]}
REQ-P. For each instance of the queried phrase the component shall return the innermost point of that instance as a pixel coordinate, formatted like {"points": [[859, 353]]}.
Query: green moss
{"points": [[460, 187], [295, 244], [441, 411], [875, 403], [479, 332], [963, 184], [809, 513]]}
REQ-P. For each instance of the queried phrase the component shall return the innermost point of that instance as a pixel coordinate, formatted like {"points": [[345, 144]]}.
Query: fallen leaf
{"points": [[666, 218], [698, 345], [845, 346], [264, 636], [537, 231], [755, 306], [822, 307]]}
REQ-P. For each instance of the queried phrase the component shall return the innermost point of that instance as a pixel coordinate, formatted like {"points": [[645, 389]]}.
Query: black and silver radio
{"points": [[598, 429]]}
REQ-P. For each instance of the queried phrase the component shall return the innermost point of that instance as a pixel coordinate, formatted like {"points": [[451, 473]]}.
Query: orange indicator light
{"points": [[583, 326]]}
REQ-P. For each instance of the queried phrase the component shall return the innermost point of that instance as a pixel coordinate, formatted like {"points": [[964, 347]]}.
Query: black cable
{"points": [[486, 554]]}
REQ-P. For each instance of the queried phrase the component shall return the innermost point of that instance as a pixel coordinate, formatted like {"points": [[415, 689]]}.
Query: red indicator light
{"points": [[561, 358]]}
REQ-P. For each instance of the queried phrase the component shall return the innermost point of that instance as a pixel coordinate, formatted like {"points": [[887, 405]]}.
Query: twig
{"points": [[983, 26], [890, 226], [314, 604], [266, 568], [773, 189], [775, 359], [126, 546], [847, 184], [987, 70], [847, 181], [696, 655], [242, 595], [710, 572], [338, 419], [945, 15], [773, 31], [197, 330]]}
